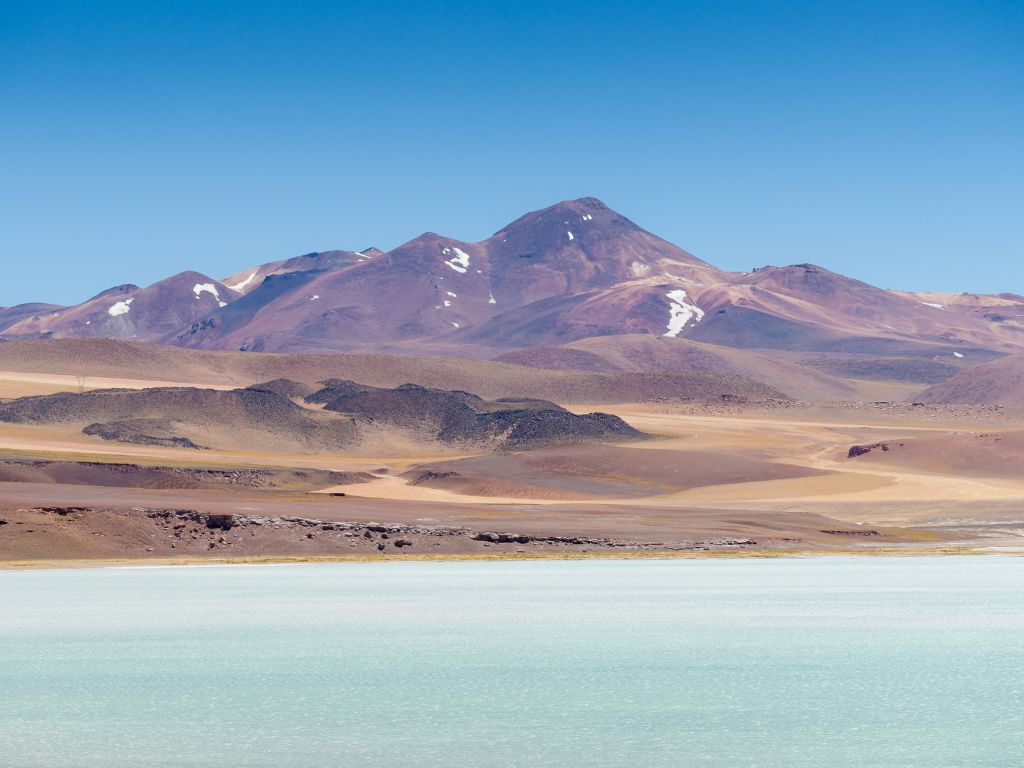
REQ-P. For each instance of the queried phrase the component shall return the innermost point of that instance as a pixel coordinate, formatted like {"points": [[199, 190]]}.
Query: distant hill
{"points": [[117, 359], [1000, 382], [354, 417]]}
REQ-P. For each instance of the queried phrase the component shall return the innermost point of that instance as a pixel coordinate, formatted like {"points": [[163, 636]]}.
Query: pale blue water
{"points": [[795, 662]]}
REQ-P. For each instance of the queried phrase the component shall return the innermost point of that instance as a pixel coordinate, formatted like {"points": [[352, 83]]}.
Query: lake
{"points": [[823, 661]]}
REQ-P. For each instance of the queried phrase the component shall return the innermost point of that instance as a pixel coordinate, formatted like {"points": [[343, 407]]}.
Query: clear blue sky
{"points": [[884, 140]]}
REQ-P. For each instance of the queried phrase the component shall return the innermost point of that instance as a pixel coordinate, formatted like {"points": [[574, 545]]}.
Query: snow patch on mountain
{"points": [[459, 262], [121, 308], [681, 312], [241, 286], [210, 288]]}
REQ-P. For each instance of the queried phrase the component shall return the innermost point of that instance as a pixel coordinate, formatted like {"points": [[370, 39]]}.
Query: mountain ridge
{"points": [[572, 271]]}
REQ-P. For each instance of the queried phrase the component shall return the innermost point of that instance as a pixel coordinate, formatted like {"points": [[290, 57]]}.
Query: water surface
{"points": [[789, 662]]}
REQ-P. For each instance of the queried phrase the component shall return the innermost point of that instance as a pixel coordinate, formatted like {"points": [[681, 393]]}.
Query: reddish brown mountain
{"points": [[1000, 382], [435, 289], [576, 270], [131, 312], [11, 315]]}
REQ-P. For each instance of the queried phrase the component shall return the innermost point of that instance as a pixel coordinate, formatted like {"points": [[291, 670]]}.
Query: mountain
{"points": [[435, 289], [131, 312], [11, 315], [554, 277], [999, 382], [250, 279]]}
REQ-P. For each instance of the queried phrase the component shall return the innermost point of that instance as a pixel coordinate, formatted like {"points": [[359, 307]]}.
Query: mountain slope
{"points": [[250, 279], [11, 315], [131, 312], [1000, 382], [658, 353], [435, 287]]}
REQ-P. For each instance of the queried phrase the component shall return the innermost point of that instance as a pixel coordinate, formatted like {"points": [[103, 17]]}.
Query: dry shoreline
{"points": [[194, 561]]}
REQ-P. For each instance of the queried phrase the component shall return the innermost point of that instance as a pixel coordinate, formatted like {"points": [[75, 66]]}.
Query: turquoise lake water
{"points": [[788, 662]]}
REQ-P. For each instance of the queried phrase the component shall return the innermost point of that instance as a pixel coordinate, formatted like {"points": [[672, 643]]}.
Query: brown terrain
{"points": [[323, 467]]}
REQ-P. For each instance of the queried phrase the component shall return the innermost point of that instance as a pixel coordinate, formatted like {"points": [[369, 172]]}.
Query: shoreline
{"points": [[194, 561]]}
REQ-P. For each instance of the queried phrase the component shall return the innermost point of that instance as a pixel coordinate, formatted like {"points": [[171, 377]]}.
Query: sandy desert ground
{"points": [[725, 477]]}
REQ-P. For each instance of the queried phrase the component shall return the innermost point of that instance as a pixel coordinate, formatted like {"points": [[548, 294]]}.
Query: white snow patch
{"points": [[936, 306], [88, 322], [121, 307], [459, 262], [570, 235], [455, 324], [447, 303], [222, 304], [638, 269], [314, 297], [241, 286], [490, 298], [453, 295], [681, 312], [588, 217], [958, 354], [210, 288]]}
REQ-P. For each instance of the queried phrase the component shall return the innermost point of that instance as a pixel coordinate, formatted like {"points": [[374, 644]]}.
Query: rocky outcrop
{"points": [[172, 416], [140, 433], [153, 414], [861, 450], [431, 476], [456, 417]]}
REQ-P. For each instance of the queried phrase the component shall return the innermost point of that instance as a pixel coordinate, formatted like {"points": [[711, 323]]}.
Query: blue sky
{"points": [[881, 140]]}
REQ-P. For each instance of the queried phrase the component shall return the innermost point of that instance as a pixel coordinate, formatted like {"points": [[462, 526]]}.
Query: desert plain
{"points": [[710, 476]]}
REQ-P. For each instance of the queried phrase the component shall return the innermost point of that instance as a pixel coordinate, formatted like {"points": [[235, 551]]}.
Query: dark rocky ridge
{"points": [[141, 432], [461, 417], [188, 412], [176, 416]]}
